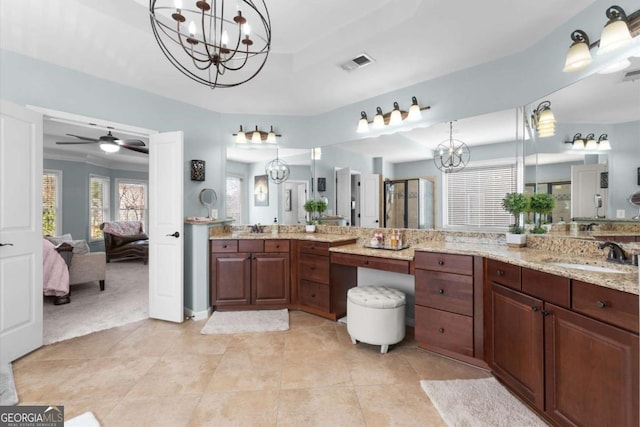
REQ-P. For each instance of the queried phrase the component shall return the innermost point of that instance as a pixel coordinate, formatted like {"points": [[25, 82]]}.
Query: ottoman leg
{"points": [[384, 348], [353, 340]]}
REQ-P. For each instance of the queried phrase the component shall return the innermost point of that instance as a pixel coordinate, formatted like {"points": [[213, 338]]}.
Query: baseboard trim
{"points": [[197, 315]]}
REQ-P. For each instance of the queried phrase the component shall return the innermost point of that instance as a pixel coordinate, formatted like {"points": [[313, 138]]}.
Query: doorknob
{"points": [[176, 235], [6, 244]]}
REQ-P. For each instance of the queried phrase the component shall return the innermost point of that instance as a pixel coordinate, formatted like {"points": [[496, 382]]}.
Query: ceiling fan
{"points": [[110, 143]]}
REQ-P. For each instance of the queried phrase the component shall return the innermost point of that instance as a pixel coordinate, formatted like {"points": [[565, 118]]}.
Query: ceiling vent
{"points": [[632, 75], [362, 60]]}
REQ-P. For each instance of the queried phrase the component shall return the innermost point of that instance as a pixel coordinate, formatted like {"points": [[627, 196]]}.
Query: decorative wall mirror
{"points": [[208, 198]]}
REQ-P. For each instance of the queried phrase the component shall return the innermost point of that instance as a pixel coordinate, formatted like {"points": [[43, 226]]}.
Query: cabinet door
{"points": [[591, 371], [516, 346], [270, 278], [230, 278]]}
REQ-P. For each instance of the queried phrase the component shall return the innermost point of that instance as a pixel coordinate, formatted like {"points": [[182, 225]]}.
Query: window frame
{"points": [[58, 202], [116, 196], [241, 196], [106, 211], [499, 163]]}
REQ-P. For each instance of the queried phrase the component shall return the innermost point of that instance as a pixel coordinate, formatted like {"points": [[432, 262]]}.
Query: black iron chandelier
{"points": [[451, 155], [213, 45]]}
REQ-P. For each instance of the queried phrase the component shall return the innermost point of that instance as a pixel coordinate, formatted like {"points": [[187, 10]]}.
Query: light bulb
{"points": [[614, 36], [178, 4], [578, 58], [604, 145], [192, 29], [246, 29], [108, 147], [271, 137], [255, 137], [378, 120], [224, 39], [414, 112], [241, 138], [546, 116], [363, 126]]}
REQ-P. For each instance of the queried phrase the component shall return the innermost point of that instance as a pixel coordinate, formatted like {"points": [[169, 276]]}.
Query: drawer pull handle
{"points": [[500, 273], [313, 295], [441, 291], [366, 262], [224, 246], [545, 313], [534, 309], [601, 304], [441, 330], [277, 246], [440, 262]]}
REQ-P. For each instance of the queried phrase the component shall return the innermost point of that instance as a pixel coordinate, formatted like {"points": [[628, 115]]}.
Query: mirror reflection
{"points": [[364, 179]]}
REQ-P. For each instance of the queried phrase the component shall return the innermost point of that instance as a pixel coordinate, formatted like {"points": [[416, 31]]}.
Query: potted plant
{"points": [[542, 204], [516, 204], [311, 207]]}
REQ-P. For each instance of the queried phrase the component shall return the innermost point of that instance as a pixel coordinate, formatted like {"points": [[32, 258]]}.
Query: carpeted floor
{"points": [[124, 300], [478, 403], [233, 322]]}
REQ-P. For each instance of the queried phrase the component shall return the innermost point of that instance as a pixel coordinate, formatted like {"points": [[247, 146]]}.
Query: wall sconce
{"points": [[256, 136], [197, 170], [316, 153], [544, 120], [589, 142], [617, 33], [394, 117]]}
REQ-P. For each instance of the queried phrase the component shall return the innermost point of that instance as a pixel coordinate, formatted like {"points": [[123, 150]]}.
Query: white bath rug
{"points": [[8, 394], [233, 322], [85, 420], [478, 403]]}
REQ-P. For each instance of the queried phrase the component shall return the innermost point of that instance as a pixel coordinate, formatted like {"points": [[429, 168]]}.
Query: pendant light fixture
{"points": [[451, 155], [277, 170], [212, 43]]}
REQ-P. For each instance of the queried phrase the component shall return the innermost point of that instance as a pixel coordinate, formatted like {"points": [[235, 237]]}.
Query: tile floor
{"points": [[154, 373]]}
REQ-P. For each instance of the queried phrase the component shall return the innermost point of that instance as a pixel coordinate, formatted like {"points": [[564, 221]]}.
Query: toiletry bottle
{"points": [[274, 227]]}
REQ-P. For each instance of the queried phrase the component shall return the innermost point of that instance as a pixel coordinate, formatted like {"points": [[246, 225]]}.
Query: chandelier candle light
{"points": [[451, 155], [212, 44]]}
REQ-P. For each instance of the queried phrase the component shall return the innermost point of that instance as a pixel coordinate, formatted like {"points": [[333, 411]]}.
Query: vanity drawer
{"points": [[314, 268], [224, 246], [609, 305], [313, 294], [445, 330], [503, 274], [387, 264], [251, 245], [278, 245], [448, 263], [445, 291], [547, 287], [316, 248]]}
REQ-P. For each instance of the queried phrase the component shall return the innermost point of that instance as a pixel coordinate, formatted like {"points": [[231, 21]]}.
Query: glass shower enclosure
{"points": [[408, 203]]}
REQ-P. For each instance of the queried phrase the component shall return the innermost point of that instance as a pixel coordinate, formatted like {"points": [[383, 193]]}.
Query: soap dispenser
{"points": [[274, 227]]}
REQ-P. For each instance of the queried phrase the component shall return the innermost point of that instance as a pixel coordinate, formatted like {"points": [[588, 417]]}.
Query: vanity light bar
{"points": [[392, 118]]}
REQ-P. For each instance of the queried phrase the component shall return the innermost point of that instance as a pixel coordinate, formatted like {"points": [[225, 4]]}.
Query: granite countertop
{"points": [[626, 281], [316, 237]]}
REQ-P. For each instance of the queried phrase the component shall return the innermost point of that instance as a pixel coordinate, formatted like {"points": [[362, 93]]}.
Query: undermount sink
{"points": [[586, 267]]}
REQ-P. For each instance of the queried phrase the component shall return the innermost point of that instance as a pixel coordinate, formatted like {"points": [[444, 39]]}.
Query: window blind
{"points": [[474, 196]]}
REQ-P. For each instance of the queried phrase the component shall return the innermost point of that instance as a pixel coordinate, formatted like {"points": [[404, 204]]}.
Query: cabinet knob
{"points": [[440, 262], [277, 246], [313, 267], [441, 330], [601, 304], [500, 273], [545, 313], [534, 308], [313, 295], [224, 246], [249, 257], [441, 291]]}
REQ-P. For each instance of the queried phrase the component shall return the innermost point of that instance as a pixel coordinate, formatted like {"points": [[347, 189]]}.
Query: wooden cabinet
{"points": [[568, 348], [250, 272], [322, 287], [449, 305]]}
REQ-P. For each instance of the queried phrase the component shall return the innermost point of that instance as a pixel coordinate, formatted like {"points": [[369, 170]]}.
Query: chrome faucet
{"points": [[616, 253]]}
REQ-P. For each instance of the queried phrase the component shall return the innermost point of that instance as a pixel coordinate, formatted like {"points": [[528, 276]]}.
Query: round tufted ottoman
{"points": [[375, 315]]}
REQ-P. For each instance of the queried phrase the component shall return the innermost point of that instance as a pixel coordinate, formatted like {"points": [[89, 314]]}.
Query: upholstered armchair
{"points": [[83, 268], [125, 240]]}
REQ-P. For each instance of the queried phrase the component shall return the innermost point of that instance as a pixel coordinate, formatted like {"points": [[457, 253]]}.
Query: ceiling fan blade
{"points": [[75, 142], [84, 138], [134, 148], [131, 142]]}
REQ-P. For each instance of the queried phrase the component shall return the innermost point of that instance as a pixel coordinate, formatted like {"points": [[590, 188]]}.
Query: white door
{"points": [[166, 280], [370, 200], [20, 231], [343, 194], [585, 185], [301, 198]]}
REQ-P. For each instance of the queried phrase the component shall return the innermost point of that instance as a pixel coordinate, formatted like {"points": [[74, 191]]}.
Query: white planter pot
{"points": [[310, 228], [516, 240]]}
